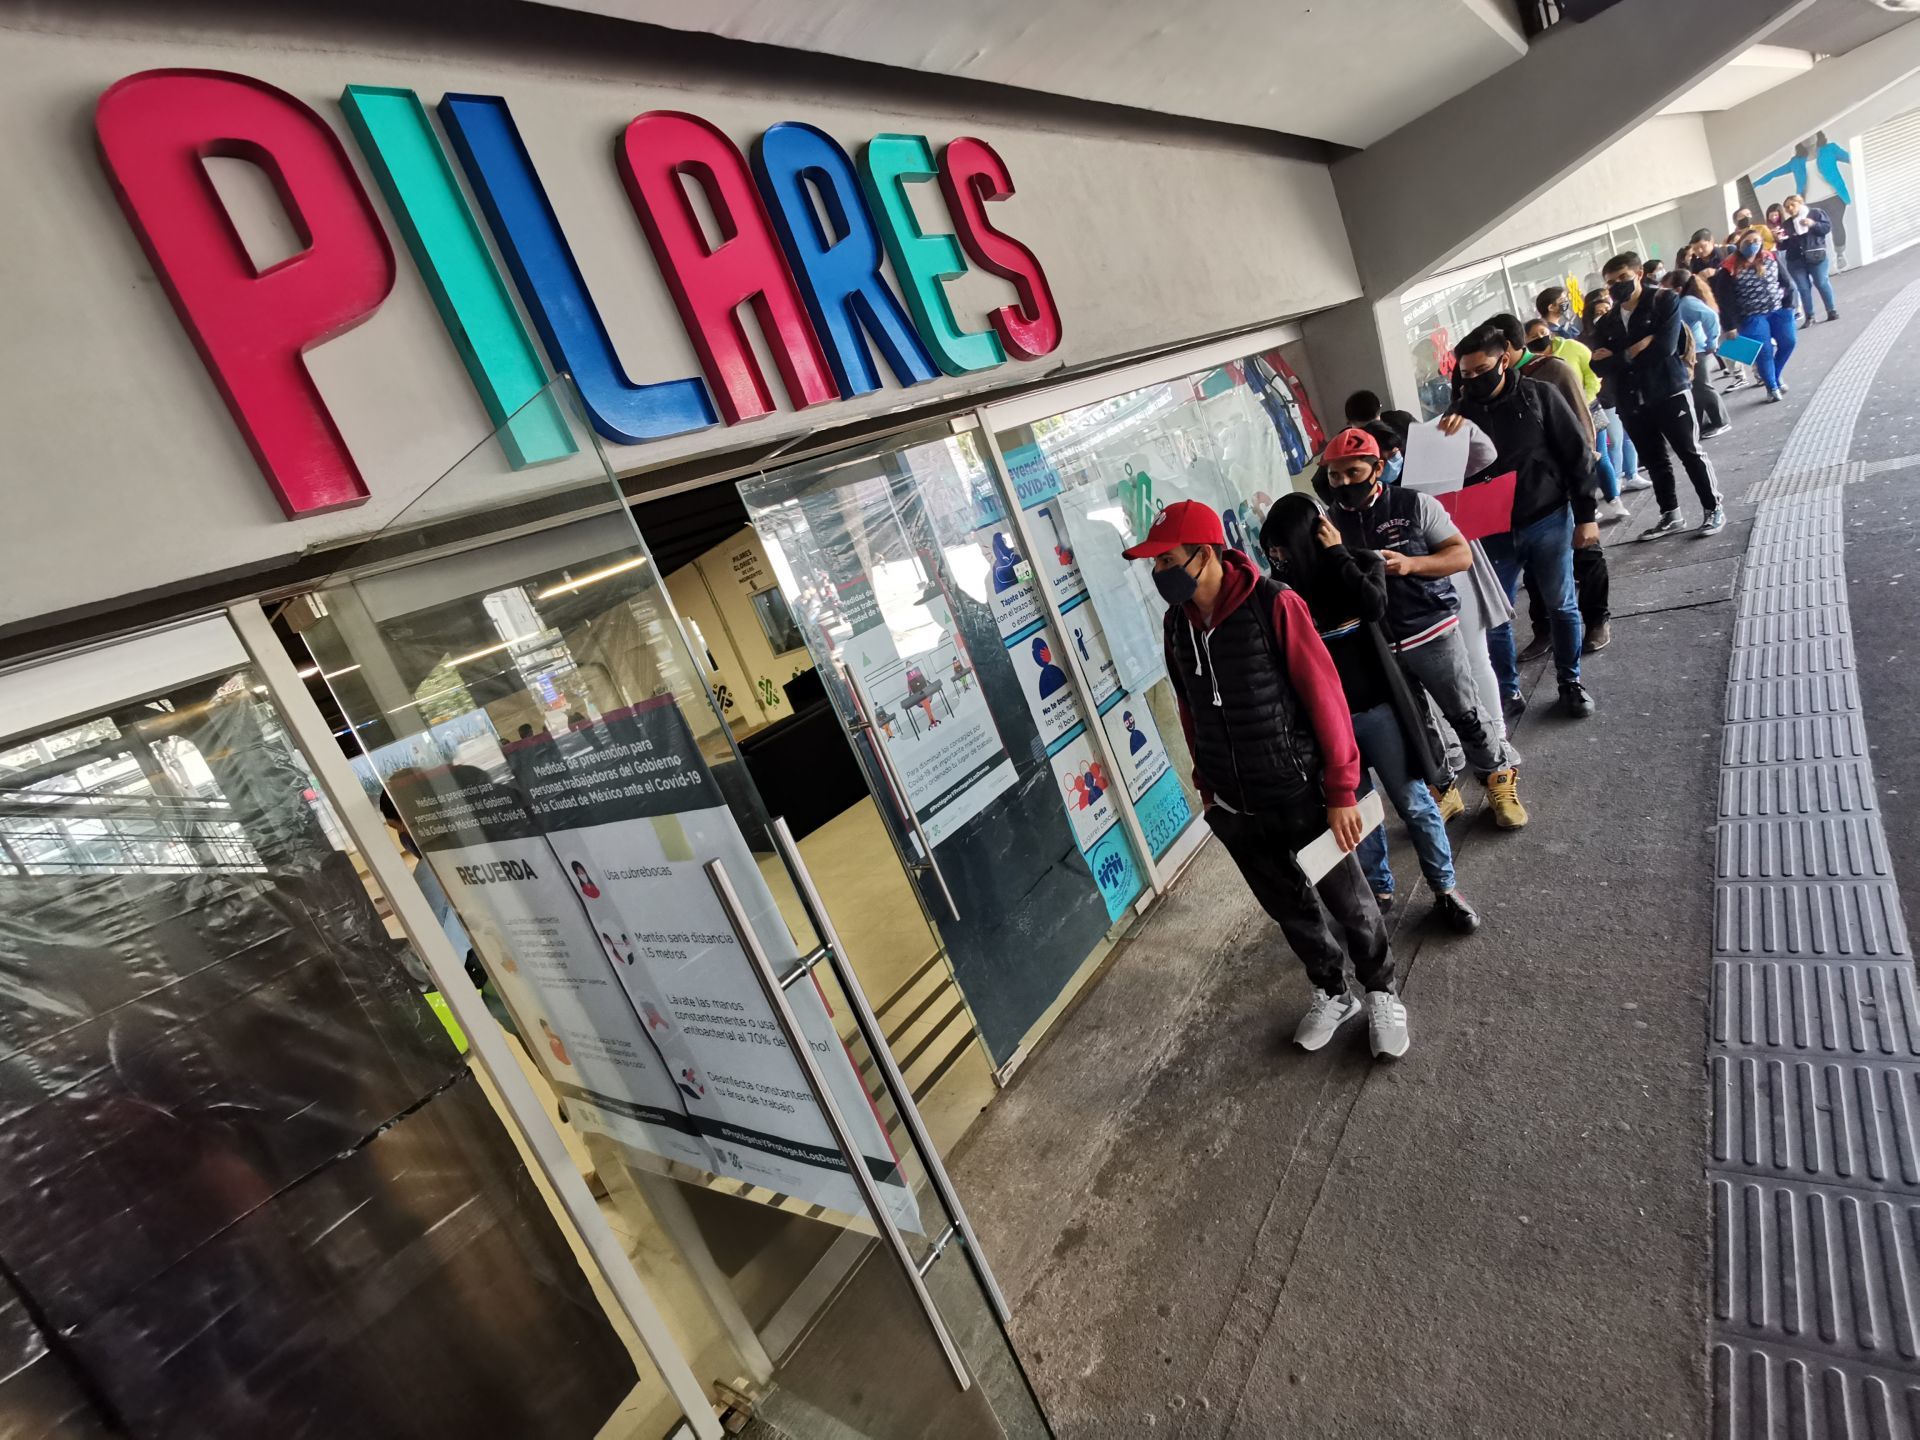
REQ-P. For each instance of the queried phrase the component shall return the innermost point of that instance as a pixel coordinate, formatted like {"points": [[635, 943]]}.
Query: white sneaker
{"points": [[1612, 510], [1636, 482], [1325, 1015], [1387, 1025]]}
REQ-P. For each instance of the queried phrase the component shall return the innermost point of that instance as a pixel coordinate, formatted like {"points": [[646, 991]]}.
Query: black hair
{"points": [[1700, 235], [1387, 437], [1489, 339], [1653, 260], [1362, 406], [1288, 532], [1510, 328], [1625, 260], [1548, 298]]}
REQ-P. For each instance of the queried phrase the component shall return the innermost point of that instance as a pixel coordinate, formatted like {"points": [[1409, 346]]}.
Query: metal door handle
{"points": [[870, 1031], [836, 1121]]}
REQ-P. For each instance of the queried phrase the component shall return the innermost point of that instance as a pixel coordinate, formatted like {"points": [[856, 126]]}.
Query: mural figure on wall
{"points": [[1816, 171]]}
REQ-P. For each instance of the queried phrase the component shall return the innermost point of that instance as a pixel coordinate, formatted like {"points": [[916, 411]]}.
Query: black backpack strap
{"points": [[1265, 600]]}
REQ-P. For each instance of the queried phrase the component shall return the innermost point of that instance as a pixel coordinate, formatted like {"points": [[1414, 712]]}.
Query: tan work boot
{"points": [[1449, 802], [1503, 794]]}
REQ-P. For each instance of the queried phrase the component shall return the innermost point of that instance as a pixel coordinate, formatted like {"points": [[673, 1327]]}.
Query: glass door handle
{"points": [[836, 1120], [876, 1040]]}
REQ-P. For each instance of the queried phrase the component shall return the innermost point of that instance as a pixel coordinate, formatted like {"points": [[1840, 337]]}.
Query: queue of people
{"points": [[1376, 641]]}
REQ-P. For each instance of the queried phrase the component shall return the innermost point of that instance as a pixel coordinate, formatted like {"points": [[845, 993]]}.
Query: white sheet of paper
{"points": [[1319, 856], [1436, 463]]}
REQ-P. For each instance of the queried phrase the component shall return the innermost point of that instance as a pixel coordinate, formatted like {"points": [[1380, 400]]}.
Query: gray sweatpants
{"points": [[1445, 671]]}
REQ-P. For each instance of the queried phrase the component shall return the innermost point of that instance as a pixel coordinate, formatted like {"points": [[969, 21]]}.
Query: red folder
{"points": [[1484, 509]]}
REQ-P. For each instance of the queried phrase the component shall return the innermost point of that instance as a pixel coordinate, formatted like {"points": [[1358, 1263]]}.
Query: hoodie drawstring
{"points": [[1203, 644]]}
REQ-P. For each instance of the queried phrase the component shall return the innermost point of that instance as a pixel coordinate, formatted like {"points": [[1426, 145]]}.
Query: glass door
{"points": [[982, 724], [519, 691]]}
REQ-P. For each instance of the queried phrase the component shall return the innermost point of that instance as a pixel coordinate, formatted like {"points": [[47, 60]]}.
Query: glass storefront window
{"points": [[1091, 480], [1439, 319], [1573, 265]]}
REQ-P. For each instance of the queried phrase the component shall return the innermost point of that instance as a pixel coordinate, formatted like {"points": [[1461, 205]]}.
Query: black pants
{"points": [[1672, 422], [1326, 924], [1706, 399], [1592, 586]]}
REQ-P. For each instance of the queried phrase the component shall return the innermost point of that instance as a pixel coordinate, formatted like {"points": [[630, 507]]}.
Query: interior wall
{"points": [[135, 478], [1660, 160], [716, 591]]}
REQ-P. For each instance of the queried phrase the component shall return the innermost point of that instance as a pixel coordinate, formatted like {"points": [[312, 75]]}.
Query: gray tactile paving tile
{"points": [[1797, 1008], [1814, 1050]]}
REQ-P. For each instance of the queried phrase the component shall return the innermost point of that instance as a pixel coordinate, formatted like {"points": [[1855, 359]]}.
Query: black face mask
{"points": [[1622, 290], [1352, 497], [1483, 386], [1176, 586], [1540, 344]]}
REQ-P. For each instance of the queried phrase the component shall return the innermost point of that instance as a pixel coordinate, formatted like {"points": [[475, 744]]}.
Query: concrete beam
{"points": [[1744, 136], [1424, 194]]}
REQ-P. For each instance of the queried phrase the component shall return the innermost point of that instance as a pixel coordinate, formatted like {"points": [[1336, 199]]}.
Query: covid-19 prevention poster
{"points": [[578, 868]]}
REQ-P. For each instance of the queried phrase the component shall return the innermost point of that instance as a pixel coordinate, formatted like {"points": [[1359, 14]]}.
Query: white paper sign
{"points": [[1318, 856], [1436, 463]]}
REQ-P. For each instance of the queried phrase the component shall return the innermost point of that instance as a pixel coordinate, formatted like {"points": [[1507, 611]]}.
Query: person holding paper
{"points": [[1543, 443], [1275, 762], [1421, 549], [1646, 347], [1347, 590]]}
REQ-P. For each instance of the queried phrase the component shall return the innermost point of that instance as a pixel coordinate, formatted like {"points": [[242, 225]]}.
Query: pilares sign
{"points": [[803, 233]]}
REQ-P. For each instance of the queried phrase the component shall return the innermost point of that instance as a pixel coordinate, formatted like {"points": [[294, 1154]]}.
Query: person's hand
{"points": [[1601, 354], [1396, 563], [1637, 346], [1325, 532], [1586, 536], [1345, 822], [1450, 423]]}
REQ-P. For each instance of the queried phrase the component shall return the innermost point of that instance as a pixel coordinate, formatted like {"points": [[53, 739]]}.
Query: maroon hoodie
{"points": [[1309, 670]]}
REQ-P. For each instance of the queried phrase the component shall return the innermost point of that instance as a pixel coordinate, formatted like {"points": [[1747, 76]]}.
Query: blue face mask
{"points": [[1390, 472]]}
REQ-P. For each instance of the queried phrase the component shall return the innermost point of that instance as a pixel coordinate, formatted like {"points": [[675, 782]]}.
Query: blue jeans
{"points": [[1383, 750], [1544, 550], [1617, 446], [1777, 335], [1806, 277]]}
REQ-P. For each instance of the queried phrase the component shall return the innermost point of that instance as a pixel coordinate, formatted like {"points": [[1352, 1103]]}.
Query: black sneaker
{"points": [[1832, 315], [1575, 700], [1384, 899], [1669, 523], [1455, 913], [1513, 706]]}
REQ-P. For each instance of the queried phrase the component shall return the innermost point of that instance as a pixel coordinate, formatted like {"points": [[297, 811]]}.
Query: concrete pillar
{"points": [[1361, 345], [1424, 194]]}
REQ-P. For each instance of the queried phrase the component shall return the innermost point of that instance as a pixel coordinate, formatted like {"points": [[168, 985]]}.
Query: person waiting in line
{"points": [[1275, 762], [1645, 345], [1555, 306], [1655, 270], [1618, 445], [1420, 548], [1766, 314], [1542, 341], [1590, 580], [1346, 591], [1702, 319], [1805, 251], [1537, 436], [1364, 408]]}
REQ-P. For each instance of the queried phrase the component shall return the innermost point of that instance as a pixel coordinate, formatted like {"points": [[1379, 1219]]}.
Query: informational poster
{"points": [[1016, 607], [1085, 789], [1040, 664], [933, 722], [1122, 594], [1135, 741], [1084, 633], [578, 867]]}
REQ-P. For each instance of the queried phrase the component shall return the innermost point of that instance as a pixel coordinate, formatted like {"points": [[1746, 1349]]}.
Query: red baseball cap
{"points": [[1350, 443], [1185, 522]]}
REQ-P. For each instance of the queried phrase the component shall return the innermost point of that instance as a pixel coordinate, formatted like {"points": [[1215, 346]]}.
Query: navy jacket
{"points": [[1810, 248], [1658, 372]]}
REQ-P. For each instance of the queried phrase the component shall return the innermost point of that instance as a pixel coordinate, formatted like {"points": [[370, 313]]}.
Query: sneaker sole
{"points": [[1383, 1054], [1310, 1049], [1503, 824]]}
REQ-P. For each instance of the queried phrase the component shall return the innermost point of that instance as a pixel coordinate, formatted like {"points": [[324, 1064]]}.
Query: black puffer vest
{"points": [[1256, 747], [1415, 603]]}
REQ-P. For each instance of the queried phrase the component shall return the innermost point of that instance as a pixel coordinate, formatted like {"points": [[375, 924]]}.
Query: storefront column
{"points": [[309, 731]]}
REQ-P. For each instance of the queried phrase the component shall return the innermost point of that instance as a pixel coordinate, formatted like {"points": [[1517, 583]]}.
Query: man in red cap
{"points": [[1275, 761]]}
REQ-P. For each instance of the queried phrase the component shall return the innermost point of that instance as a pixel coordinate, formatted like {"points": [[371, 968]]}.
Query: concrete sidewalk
{"points": [[1207, 1233]]}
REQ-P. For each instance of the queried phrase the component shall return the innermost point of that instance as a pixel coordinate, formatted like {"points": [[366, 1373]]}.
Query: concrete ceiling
{"points": [[1345, 71], [1752, 72], [1833, 27]]}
